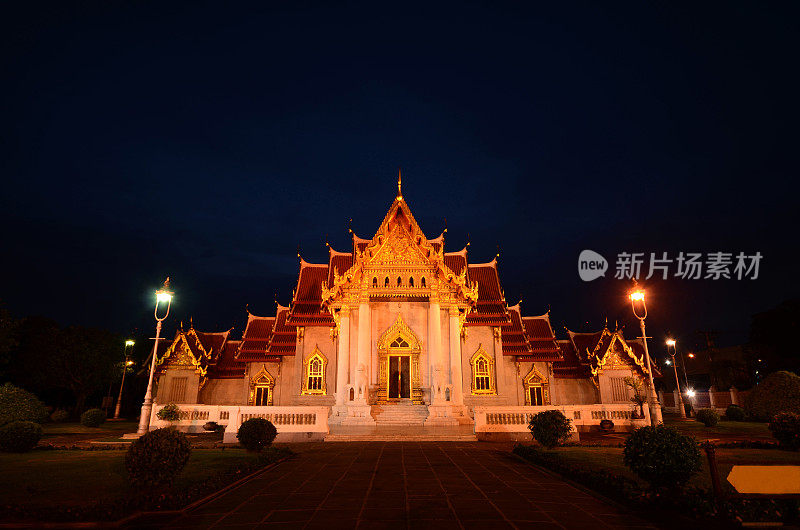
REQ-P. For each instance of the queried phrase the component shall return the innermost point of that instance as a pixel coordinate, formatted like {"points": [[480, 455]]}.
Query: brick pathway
{"points": [[406, 485]]}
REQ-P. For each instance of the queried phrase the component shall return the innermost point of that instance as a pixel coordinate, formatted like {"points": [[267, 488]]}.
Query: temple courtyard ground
{"points": [[406, 485]]}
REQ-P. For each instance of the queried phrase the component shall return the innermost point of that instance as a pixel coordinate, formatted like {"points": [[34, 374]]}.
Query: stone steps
{"points": [[401, 438], [399, 414]]}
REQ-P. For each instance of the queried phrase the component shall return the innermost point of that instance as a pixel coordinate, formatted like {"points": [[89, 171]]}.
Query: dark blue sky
{"points": [[205, 141]]}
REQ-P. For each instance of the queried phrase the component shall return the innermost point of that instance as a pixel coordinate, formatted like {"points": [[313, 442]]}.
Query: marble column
{"points": [[437, 364], [457, 378], [343, 356], [361, 379]]}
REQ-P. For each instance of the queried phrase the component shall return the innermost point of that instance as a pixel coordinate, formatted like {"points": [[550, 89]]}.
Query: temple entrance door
{"points": [[399, 383]]}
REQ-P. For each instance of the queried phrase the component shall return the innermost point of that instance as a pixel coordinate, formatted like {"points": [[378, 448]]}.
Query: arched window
{"points": [[482, 372], [314, 374], [375, 282], [411, 281], [422, 282], [386, 282], [261, 387], [536, 388], [399, 281]]}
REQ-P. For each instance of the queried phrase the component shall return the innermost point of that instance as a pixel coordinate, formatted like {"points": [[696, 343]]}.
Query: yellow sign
{"points": [[768, 480]]}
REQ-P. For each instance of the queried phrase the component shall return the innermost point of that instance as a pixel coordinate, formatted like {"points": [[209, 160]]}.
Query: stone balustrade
{"points": [[292, 423], [495, 421]]}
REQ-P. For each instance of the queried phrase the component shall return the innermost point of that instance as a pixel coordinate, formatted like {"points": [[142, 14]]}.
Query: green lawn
{"points": [[43, 479], [724, 429], [610, 458], [109, 427]]}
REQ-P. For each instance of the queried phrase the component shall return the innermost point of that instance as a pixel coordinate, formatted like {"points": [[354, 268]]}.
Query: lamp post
{"points": [[163, 295], [671, 344], [128, 362], [655, 409]]}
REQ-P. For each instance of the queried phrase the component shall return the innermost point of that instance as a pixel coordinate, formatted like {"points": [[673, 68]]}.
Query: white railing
{"points": [[286, 419], [515, 419]]}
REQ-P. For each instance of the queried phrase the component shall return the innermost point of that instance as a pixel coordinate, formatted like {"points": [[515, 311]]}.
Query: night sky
{"points": [[206, 141]]}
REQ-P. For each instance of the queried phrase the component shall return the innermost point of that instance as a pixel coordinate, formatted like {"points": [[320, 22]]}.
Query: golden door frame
{"points": [[399, 330]]}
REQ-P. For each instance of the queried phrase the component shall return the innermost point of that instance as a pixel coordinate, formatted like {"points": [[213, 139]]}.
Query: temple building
{"points": [[399, 331]]}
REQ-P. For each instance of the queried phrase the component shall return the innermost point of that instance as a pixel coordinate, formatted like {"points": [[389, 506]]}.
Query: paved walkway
{"points": [[406, 485]]}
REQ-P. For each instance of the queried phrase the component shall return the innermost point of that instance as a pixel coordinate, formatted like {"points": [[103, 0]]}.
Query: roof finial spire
{"points": [[399, 184]]}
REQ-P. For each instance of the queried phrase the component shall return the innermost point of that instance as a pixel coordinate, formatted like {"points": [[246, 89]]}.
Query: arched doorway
{"points": [[398, 362]]}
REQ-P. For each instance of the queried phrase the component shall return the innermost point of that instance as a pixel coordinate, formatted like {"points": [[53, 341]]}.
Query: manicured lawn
{"points": [[109, 427], [610, 458], [43, 479], [723, 430]]}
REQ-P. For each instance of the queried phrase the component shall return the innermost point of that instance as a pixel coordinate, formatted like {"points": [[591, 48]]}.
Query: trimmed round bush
{"points": [[157, 457], [19, 436], [256, 433], [17, 404], [210, 426], [708, 417], [662, 456], [778, 392], [550, 428], [606, 425], [785, 427], [59, 416], [735, 413], [93, 418], [169, 412]]}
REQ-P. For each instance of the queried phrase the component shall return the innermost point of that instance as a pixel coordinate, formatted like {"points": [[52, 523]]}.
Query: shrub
{"points": [[157, 457], [59, 415], [662, 456], [210, 426], [93, 418], [778, 392], [550, 428], [606, 425], [735, 413], [19, 436], [708, 417], [256, 434], [17, 404], [785, 427], [170, 412]]}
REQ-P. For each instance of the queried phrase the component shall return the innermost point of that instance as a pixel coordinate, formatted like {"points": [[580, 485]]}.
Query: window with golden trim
{"points": [[536, 388], [483, 379], [314, 374], [262, 387]]}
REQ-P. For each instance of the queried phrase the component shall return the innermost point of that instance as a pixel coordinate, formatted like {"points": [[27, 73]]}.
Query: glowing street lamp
{"points": [[163, 296], [690, 393], [637, 295], [128, 362], [671, 344]]}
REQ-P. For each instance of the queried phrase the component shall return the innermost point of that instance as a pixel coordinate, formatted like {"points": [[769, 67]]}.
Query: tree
{"points": [[8, 341], [772, 338], [84, 362]]}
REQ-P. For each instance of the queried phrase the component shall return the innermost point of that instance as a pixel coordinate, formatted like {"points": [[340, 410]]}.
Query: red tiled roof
{"points": [[306, 308], [541, 338], [456, 261], [227, 367], [359, 245], [514, 340], [255, 339], [282, 341], [339, 262], [570, 367], [490, 309]]}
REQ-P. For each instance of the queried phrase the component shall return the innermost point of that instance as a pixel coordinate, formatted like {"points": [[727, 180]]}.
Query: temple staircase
{"points": [[400, 413]]}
